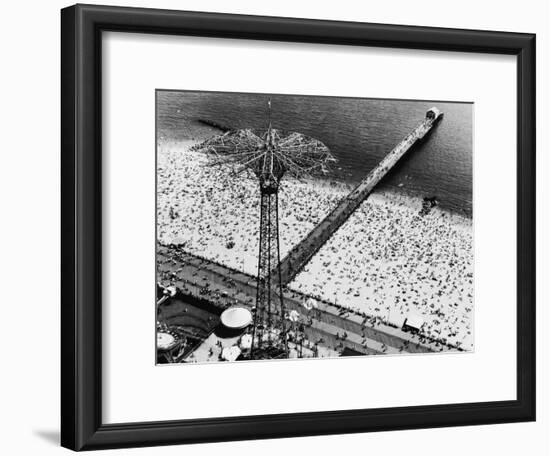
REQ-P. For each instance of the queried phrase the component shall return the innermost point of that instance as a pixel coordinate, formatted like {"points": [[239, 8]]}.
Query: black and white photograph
{"points": [[275, 228], [292, 226]]}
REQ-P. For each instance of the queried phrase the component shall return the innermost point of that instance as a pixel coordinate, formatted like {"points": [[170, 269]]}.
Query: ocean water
{"points": [[358, 131]]}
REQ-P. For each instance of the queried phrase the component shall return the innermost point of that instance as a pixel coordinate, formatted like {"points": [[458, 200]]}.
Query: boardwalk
{"points": [[302, 253], [336, 327]]}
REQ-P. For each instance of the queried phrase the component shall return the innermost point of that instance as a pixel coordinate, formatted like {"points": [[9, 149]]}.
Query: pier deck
{"points": [[302, 253]]}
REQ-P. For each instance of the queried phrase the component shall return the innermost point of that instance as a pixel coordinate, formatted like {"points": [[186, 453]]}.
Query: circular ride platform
{"points": [[165, 341], [236, 318]]}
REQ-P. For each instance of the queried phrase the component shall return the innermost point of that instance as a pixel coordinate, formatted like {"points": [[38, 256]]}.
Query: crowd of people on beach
{"points": [[389, 260], [394, 262], [213, 214]]}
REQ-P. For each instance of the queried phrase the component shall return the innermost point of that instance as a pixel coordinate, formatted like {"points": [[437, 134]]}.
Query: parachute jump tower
{"points": [[269, 155]]}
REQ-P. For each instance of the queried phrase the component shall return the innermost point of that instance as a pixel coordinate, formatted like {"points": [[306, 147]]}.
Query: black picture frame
{"points": [[81, 218]]}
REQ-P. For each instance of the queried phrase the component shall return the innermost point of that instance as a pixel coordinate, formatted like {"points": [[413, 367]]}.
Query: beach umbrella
{"points": [[310, 303], [294, 316]]}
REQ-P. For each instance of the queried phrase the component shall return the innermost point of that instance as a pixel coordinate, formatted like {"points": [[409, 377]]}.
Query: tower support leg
{"points": [[269, 323]]}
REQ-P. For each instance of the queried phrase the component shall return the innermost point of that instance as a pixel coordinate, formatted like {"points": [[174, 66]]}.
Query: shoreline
{"points": [[413, 199]]}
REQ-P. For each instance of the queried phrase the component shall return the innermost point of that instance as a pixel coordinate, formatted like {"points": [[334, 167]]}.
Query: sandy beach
{"points": [[193, 208], [387, 260]]}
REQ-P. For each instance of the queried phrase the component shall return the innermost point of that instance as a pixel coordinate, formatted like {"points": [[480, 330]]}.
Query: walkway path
{"points": [[225, 287]]}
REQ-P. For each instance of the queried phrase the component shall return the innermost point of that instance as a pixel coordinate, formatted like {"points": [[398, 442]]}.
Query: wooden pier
{"points": [[302, 253]]}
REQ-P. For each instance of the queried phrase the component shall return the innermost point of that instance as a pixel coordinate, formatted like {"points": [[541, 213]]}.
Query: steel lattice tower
{"points": [[269, 330], [269, 155]]}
